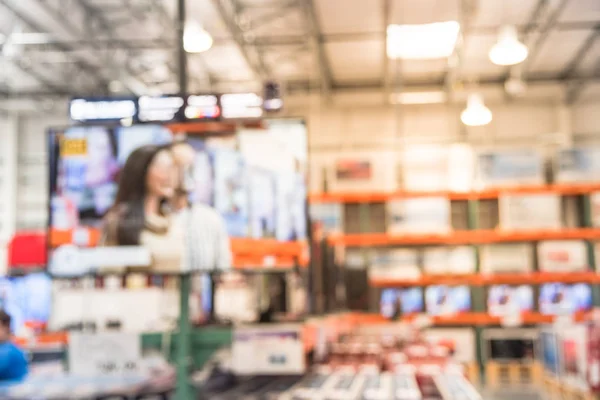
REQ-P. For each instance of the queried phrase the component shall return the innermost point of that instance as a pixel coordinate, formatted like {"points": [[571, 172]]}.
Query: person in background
{"points": [[13, 364], [205, 228]]}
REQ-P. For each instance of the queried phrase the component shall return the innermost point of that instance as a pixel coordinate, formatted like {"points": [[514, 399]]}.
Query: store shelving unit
{"points": [[472, 234]]}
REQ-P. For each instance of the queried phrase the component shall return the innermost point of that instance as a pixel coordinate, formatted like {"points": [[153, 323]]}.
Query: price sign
{"points": [[73, 147], [104, 353]]}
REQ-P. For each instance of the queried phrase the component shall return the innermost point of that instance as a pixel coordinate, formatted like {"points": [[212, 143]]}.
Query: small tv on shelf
{"points": [[401, 301], [508, 299], [443, 300], [561, 298]]}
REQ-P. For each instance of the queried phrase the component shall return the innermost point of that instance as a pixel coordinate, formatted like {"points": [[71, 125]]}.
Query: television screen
{"points": [[447, 300], [508, 300], [511, 349], [401, 301], [27, 300], [86, 165], [560, 298]]}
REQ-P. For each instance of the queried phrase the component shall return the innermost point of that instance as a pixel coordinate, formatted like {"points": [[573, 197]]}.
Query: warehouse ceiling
{"points": [[129, 46]]}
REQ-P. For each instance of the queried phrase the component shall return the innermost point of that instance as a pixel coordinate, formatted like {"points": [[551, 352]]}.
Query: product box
{"points": [[449, 260], [530, 212], [509, 168], [593, 354], [577, 165], [573, 346], [550, 352], [419, 215], [510, 344], [395, 264], [437, 167], [362, 171], [562, 256], [329, 215], [275, 349], [506, 258], [462, 342]]}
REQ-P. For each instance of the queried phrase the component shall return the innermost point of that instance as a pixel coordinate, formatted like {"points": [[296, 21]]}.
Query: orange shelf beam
{"points": [[463, 237], [536, 278], [377, 197]]}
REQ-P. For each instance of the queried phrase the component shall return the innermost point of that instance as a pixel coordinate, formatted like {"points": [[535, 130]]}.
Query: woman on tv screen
{"points": [[141, 213]]}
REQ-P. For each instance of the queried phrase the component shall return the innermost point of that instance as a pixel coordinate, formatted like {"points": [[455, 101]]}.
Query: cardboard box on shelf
{"points": [[530, 212], [562, 256], [509, 168], [395, 264], [577, 165], [419, 215], [503, 258], [449, 260]]}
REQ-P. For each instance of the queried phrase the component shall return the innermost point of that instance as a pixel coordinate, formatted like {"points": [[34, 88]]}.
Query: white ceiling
{"points": [[300, 43]]}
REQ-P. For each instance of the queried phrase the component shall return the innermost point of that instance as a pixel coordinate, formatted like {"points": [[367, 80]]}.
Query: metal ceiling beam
{"points": [[304, 85], [48, 83], [81, 64], [170, 26], [256, 64], [317, 41], [581, 54], [468, 10], [576, 87], [541, 24], [166, 43], [276, 14]]}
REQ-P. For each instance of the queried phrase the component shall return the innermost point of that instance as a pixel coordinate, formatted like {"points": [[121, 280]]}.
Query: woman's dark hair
{"points": [[128, 209], [4, 319]]}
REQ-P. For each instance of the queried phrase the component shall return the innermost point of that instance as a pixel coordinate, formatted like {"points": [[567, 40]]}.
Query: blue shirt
{"points": [[13, 364]]}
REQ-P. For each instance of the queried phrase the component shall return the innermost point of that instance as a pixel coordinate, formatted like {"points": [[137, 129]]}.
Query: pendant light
{"points": [[195, 38], [476, 113], [508, 50]]}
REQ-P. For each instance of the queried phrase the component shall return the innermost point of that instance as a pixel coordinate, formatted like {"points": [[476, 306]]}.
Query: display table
{"points": [[72, 387]]}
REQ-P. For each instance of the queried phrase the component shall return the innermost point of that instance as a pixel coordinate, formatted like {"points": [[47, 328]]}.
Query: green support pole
{"points": [[182, 360], [364, 216], [478, 292], [587, 222]]}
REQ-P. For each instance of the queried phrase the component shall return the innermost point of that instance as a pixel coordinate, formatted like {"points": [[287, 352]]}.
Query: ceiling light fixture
{"points": [[508, 50], [195, 38], [422, 42], [476, 113]]}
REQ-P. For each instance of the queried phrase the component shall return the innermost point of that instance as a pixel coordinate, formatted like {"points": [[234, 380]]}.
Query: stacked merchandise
{"points": [[373, 362]]}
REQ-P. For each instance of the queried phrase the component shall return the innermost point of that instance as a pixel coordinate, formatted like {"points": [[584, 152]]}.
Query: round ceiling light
{"points": [[508, 50], [476, 113], [196, 39]]}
